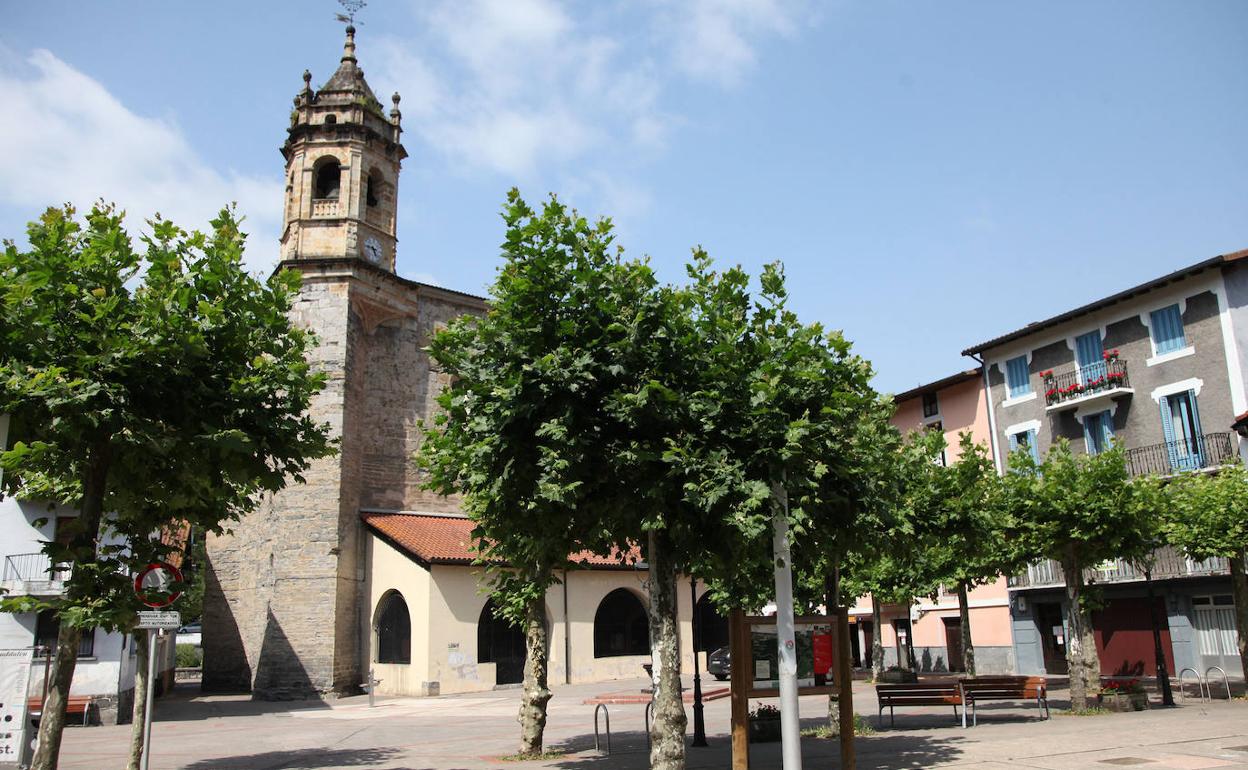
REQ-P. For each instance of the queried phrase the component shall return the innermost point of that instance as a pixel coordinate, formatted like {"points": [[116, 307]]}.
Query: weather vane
{"points": [[352, 7]]}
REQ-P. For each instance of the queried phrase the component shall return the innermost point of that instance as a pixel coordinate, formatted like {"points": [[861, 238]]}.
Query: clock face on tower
{"points": [[372, 249]]}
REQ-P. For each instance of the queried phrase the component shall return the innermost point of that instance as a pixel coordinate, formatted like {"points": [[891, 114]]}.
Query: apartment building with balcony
{"points": [[951, 405], [1159, 369], [106, 659]]}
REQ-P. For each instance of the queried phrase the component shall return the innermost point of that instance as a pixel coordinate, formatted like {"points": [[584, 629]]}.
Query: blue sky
{"points": [[931, 174]]}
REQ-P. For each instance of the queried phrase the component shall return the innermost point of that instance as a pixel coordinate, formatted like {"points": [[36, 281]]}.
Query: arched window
{"points": [[620, 626], [710, 631], [372, 188], [328, 178], [394, 630], [331, 119], [501, 643]]}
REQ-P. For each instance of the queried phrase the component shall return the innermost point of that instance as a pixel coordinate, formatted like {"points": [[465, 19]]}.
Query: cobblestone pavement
{"points": [[470, 732]]}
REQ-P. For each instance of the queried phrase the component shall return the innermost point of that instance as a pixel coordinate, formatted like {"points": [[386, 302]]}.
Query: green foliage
{"points": [[1207, 514], [157, 386], [189, 656], [1078, 506], [862, 726]]}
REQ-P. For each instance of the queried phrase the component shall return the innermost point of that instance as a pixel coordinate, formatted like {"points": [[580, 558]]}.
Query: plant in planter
{"points": [[765, 724], [897, 675], [1120, 695], [1110, 355]]}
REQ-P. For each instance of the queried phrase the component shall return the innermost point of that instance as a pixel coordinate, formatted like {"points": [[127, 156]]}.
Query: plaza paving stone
{"points": [[471, 732]]}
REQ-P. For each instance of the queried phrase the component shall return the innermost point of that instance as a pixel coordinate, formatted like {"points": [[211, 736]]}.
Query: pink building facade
{"points": [[953, 405]]}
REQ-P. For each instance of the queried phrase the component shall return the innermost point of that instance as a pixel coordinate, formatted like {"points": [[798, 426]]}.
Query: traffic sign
{"points": [[159, 619], [155, 584]]}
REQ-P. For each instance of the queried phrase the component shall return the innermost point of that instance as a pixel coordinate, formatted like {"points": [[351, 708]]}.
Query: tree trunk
{"points": [[667, 731], [52, 719], [91, 511], [1081, 657], [912, 663], [830, 603], [968, 648], [1239, 591], [140, 698], [877, 645], [536, 690]]}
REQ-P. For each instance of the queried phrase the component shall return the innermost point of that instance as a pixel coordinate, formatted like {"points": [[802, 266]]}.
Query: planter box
{"points": [[1133, 701], [764, 730], [898, 677]]}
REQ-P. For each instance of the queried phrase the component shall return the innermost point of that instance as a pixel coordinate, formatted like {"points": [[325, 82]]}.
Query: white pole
{"points": [[790, 722], [152, 635]]}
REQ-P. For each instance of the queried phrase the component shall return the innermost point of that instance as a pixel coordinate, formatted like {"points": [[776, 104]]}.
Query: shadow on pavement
{"points": [[299, 759], [186, 703]]}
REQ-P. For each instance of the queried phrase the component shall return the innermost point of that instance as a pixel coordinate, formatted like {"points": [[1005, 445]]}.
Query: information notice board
{"points": [[14, 682], [815, 662]]}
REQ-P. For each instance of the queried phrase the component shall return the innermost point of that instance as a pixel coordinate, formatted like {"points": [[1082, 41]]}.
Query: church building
{"points": [[361, 569]]}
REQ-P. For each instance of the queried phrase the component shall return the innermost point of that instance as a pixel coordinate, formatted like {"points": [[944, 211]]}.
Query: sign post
{"points": [[14, 682], [156, 586]]}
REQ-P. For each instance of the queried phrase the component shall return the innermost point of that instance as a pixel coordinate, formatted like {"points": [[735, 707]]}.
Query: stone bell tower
{"points": [[342, 169]]}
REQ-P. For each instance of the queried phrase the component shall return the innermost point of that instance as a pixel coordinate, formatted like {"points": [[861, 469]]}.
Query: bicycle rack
{"points": [[1200, 683], [607, 716], [1225, 681]]}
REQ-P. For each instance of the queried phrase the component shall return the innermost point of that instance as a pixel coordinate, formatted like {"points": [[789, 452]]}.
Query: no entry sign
{"points": [[156, 584]]}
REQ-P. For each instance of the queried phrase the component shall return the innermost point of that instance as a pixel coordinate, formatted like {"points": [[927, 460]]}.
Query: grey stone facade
{"points": [[284, 613]]}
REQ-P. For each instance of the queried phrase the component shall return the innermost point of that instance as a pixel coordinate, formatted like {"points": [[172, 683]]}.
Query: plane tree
{"points": [[143, 386], [1079, 510]]}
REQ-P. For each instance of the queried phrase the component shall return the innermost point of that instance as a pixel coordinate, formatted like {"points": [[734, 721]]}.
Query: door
{"points": [[901, 631], [1052, 637], [953, 643], [855, 647], [868, 641], [1180, 421], [1123, 628], [1090, 356], [1214, 622]]}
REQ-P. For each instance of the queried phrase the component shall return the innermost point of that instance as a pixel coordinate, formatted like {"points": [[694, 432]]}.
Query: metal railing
{"points": [[1189, 454], [34, 571], [1079, 381], [1167, 563]]}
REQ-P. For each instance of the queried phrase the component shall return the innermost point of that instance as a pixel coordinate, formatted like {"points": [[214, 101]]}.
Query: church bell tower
{"points": [[342, 170]]}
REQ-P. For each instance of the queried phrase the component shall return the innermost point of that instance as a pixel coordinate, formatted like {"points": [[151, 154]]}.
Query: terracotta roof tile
{"points": [[443, 539]]}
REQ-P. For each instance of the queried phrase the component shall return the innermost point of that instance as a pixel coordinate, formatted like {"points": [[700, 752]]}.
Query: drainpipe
{"points": [[567, 634], [992, 417]]}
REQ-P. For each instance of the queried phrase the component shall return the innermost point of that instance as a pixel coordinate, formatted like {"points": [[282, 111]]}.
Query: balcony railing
{"points": [[1169, 563], [1190, 454], [33, 574], [1081, 383]]}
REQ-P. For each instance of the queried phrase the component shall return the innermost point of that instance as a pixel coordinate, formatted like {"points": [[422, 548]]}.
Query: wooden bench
{"points": [[75, 704], [948, 693], [1025, 688]]}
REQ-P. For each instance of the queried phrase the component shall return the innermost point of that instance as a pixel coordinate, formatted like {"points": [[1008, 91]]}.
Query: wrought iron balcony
{"points": [[1080, 385], [1191, 454], [1168, 563], [33, 574]]}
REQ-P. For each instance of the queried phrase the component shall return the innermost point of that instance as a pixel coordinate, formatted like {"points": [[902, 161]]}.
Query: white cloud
{"points": [[67, 139], [714, 40], [525, 89]]}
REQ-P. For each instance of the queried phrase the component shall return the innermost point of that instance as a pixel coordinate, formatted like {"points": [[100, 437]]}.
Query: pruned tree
{"points": [[1076, 509], [1207, 516], [143, 389], [520, 435]]}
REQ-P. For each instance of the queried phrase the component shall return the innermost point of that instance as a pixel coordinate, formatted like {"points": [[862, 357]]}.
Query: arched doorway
{"points": [[621, 626], [502, 644], [710, 631], [393, 625]]}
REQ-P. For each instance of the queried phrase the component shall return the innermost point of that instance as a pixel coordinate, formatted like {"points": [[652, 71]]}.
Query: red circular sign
{"points": [[154, 585]]}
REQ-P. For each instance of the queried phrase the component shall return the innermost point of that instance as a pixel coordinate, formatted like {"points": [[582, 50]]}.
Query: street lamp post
{"points": [[699, 723]]}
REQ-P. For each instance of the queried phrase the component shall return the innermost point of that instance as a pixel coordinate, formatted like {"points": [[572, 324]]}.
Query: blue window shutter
{"points": [[1013, 442], [1033, 443], [1167, 427], [1017, 377], [1090, 355], [1107, 429], [1091, 430], [1167, 329]]}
